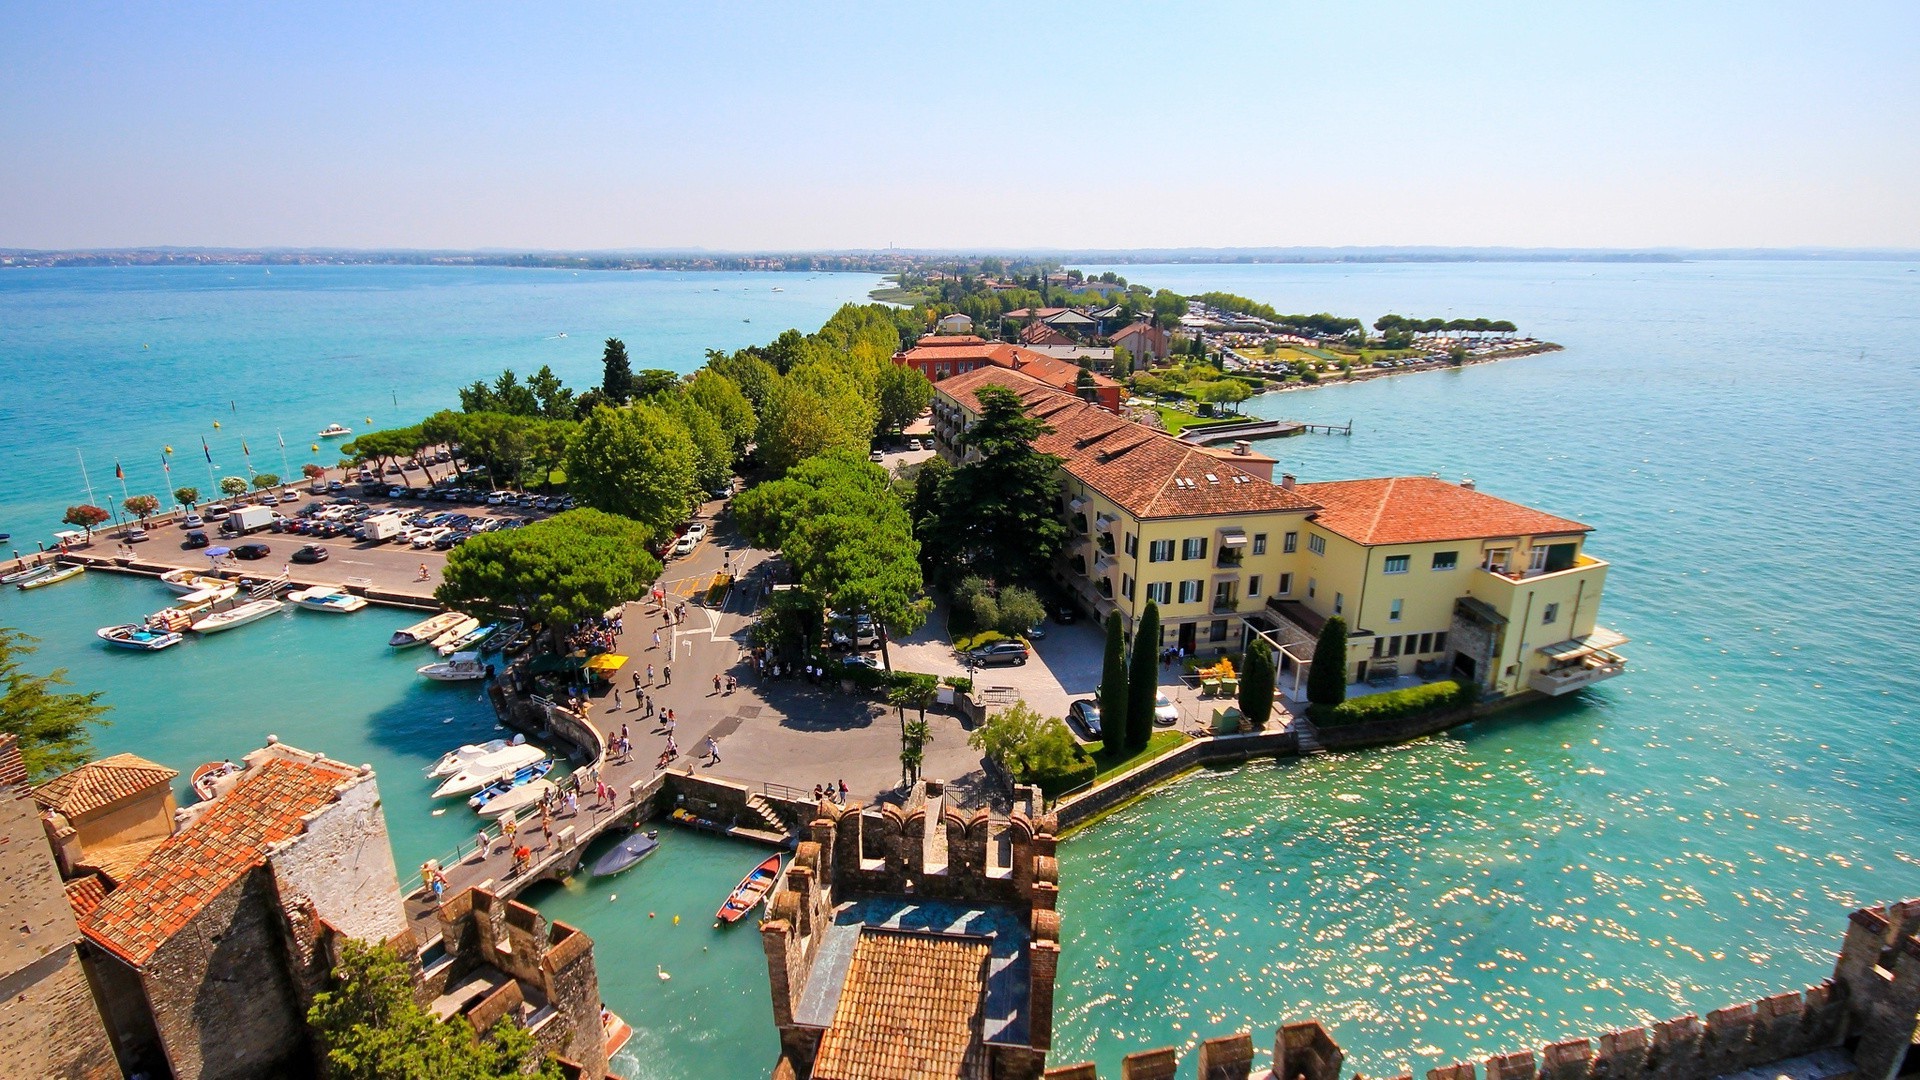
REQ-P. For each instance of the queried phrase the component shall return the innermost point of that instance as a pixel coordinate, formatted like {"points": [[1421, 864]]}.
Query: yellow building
{"points": [[1433, 579]]}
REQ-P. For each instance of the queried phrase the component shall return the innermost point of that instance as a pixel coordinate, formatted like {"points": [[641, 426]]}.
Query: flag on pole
{"points": [[243, 448], [165, 465], [118, 472], [205, 449]]}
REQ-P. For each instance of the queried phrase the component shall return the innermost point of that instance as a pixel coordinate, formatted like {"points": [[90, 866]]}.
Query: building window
{"points": [[1285, 586], [1312, 587], [1393, 612], [1426, 643], [1190, 591], [1160, 551], [1393, 645], [1445, 560], [1193, 547], [1160, 592], [1126, 586], [1440, 641], [1289, 543], [1496, 559], [1133, 546], [1253, 585], [1396, 564], [1549, 614], [1259, 543], [1316, 543], [1339, 603], [1217, 631], [1379, 646]]}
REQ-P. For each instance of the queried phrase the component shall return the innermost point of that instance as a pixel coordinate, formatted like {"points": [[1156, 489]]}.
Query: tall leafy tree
{"points": [[1327, 678], [555, 572], [142, 506], [186, 496], [722, 399], [752, 373], [902, 394], [54, 726], [1143, 682], [616, 384], [714, 467], [811, 412], [1113, 687], [1000, 506], [927, 508], [556, 402], [1256, 683], [635, 461]]}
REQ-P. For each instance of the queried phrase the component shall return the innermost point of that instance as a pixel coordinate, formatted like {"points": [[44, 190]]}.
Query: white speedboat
{"points": [[334, 431], [191, 606], [485, 770], [469, 640], [505, 784], [460, 667], [454, 633], [422, 632], [54, 578], [455, 760], [191, 581], [527, 794], [135, 636], [28, 574], [327, 598], [251, 611]]}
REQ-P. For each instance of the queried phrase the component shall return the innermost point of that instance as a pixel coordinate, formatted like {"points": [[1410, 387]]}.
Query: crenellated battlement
{"points": [[1863, 1019]]}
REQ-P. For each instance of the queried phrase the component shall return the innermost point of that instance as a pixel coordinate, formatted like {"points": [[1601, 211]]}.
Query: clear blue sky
{"points": [[1010, 125]]}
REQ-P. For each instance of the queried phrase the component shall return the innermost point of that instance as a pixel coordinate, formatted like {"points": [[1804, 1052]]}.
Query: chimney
{"points": [[1286, 479], [1467, 482], [1242, 447]]}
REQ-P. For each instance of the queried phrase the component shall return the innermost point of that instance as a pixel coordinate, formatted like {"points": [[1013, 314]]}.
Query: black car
{"points": [[195, 539], [1086, 713], [312, 553], [252, 551]]}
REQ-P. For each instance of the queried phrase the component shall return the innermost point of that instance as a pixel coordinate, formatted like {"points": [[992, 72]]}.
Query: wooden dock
{"points": [[1251, 430]]}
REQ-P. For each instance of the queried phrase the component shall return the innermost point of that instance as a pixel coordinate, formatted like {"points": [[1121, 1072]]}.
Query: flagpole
{"points": [[213, 486], [286, 470]]}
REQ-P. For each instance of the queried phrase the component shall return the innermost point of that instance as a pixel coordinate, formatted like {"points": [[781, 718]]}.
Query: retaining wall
{"points": [[1127, 785]]}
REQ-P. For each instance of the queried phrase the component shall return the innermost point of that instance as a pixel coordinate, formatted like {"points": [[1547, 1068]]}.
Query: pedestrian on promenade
{"points": [[656, 639], [423, 573], [673, 748], [573, 804], [486, 843], [616, 699], [546, 824], [666, 674], [843, 789], [636, 684], [509, 829], [439, 885], [713, 748], [716, 684], [732, 684], [649, 674], [670, 721]]}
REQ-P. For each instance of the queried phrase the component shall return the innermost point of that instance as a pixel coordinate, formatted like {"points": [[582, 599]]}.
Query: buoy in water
{"points": [[676, 920]]}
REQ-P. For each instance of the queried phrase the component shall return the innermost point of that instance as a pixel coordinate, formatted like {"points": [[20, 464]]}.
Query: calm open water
{"points": [[1686, 835]]}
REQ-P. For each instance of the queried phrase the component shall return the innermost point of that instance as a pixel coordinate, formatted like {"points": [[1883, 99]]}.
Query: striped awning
{"points": [[1600, 640]]}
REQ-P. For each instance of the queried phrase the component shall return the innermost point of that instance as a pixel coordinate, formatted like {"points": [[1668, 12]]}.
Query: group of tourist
{"points": [[829, 790]]}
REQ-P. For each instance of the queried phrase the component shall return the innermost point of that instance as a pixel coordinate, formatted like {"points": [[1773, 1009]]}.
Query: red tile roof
{"points": [[948, 341], [1059, 374], [1421, 509], [1040, 333], [85, 894], [911, 1007], [13, 769], [1150, 473], [162, 895], [100, 783]]}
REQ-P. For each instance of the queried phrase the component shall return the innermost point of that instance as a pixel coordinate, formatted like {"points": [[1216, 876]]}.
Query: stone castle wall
{"points": [[549, 965]]}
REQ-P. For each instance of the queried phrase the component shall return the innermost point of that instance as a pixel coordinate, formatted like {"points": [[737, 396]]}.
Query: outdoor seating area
{"points": [[1217, 680]]}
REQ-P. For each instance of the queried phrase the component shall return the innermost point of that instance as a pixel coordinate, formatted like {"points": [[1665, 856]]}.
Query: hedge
{"points": [[1055, 784], [1397, 704]]}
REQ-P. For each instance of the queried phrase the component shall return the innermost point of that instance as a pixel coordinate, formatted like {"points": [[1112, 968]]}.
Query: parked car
{"points": [[697, 530], [1063, 612], [312, 553], [1164, 714], [913, 444], [1000, 652], [1037, 632], [854, 660], [195, 539], [252, 551], [1086, 713], [876, 456], [193, 521], [214, 511], [686, 545]]}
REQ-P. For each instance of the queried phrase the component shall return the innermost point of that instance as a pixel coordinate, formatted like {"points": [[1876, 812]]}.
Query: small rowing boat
{"points": [[327, 598], [32, 572], [54, 578], [465, 642], [465, 626], [137, 637], [205, 778], [251, 611], [502, 634], [422, 632], [752, 889], [626, 854]]}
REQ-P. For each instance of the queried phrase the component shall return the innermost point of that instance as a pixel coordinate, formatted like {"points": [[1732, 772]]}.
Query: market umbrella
{"points": [[216, 552], [607, 662]]}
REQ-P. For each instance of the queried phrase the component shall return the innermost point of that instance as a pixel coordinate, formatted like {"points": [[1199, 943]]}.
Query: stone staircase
{"points": [[1309, 737], [765, 817]]}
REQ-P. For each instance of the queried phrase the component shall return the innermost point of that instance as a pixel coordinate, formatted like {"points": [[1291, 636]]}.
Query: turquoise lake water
{"points": [[1687, 835]]}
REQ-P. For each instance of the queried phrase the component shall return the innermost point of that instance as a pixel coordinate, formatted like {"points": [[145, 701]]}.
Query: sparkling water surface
{"points": [[1740, 435]]}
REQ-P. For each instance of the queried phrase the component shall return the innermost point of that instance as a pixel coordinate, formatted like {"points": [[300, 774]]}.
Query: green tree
{"points": [[914, 737], [371, 1028], [186, 496], [617, 382], [233, 486], [649, 383], [265, 480], [1025, 743], [1113, 688], [714, 468], [902, 394], [722, 399], [555, 572], [1327, 678], [635, 461], [753, 374], [390, 446], [555, 401], [812, 412], [1143, 684], [87, 516], [1020, 610], [927, 508], [1256, 683], [1168, 307], [1000, 506], [140, 506], [54, 727]]}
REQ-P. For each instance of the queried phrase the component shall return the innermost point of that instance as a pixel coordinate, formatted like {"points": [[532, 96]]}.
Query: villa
{"points": [[1434, 579]]}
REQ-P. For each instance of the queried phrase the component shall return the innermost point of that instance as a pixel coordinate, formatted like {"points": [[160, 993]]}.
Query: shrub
{"points": [[977, 641], [1396, 704], [1060, 781], [1034, 749], [960, 683]]}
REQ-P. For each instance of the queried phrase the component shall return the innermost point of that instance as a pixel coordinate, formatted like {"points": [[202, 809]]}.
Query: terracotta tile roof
{"points": [[13, 769], [85, 894], [100, 783], [1054, 372], [1150, 473], [948, 341], [1422, 509], [1041, 334], [198, 863], [910, 1009]]}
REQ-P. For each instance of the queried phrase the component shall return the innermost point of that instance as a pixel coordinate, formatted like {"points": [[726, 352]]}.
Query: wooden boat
{"points": [[192, 581], [204, 777], [626, 854], [191, 606], [502, 634], [616, 1030], [465, 642], [327, 598], [482, 771], [251, 611], [460, 667], [54, 578], [752, 889], [29, 574], [422, 632], [465, 626], [138, 637]]}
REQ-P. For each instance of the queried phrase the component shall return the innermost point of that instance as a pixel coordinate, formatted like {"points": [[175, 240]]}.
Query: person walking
{"points": [[666, 674], [713, 750], [843, 789], [636, 684], [616, 699], [423, 573], [656, 639], [649, 674], [509, 829]]}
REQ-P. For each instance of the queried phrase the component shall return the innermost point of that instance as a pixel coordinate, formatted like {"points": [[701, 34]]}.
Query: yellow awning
{"points": [[607, 661]]}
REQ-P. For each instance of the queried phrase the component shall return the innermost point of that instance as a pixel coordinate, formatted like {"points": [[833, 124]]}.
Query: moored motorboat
{"points": [[334, 431], [467, 642], [626, 854], [422, 632], [192, 581], [205, 778], [519, 778], [502, 634], [138, 637], [191, 606], [453, 760], [485, 770], [326, 598], [32, 572], [752, 889], [460, 667], [251, 611], [461, 629], [62, 574], [527, 794]]}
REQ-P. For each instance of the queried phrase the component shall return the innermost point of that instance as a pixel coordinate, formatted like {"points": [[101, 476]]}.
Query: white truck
{"points": [[382, 527], [247, 519]]}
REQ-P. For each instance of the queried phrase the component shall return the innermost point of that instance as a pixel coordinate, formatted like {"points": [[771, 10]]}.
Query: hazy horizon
{"points": [[999, 128]]}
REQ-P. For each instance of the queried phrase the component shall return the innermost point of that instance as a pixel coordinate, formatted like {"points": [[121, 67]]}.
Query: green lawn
{"points": [[1161, 742], [1177, 420]]}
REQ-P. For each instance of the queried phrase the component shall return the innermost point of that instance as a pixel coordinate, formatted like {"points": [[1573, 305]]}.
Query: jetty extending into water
{"points": [[1209, 434]]}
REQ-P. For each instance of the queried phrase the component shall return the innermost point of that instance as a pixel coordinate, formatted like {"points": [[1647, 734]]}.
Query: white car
{"points": [[686, 545], [698, 531], [193, 521], [1164, 713], [425, 538]]}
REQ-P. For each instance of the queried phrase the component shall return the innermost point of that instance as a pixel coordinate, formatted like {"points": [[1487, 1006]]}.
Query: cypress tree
{"points": [[1256, 683], [617, 384], [1327, 680], [1144, 684], [1113, 688]]}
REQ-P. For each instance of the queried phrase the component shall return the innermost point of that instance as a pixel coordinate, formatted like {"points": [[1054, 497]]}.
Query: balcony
{"points": [[1105, 523], [1106, 543], [1580, 662], [1510, 571], [1229, 559], [1104, 563]]}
